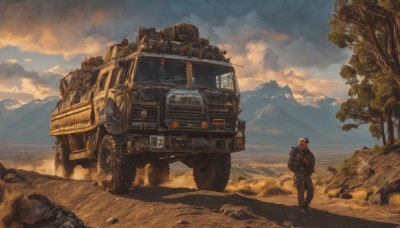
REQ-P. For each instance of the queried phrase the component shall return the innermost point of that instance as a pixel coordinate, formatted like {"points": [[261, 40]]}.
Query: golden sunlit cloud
{"points": [[17, 83], [61, 70], [11, 61], [301, 81]]}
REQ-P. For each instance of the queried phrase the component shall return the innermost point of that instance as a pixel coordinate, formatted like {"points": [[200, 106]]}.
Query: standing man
{"points": [[302, 163]]}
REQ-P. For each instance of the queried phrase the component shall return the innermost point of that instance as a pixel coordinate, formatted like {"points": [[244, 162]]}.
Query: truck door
{"points": [[118, 99], [100, 97]]}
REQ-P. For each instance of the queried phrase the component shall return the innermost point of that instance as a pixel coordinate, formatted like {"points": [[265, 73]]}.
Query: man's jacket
{"points": [[301, 162]]}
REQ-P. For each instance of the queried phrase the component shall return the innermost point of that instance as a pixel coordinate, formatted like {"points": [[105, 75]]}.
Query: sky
{"points": [[281, 40]]}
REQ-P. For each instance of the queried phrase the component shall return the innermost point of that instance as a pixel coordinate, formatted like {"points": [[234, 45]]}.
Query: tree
{"points": [[358, 107], [371, 29], [375, 23]]}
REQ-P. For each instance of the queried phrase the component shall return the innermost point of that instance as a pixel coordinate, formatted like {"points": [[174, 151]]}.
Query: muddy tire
{"points": [[63, 166], [211, 171], [116, 171], [158, 173]]}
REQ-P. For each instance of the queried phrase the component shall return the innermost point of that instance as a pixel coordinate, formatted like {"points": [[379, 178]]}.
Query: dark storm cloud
{"points": [[294, 29], [16, 82]]}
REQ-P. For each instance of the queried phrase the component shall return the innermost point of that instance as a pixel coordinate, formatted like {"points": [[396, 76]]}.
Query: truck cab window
{"points": [[213, 76], [162, 71]]}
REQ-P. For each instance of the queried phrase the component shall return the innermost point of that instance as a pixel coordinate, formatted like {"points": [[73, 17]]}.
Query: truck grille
{"points": [[222, 120], [186, 116]]}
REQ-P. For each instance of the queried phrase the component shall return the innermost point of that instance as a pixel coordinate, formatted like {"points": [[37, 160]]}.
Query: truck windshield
{"points": [[214, 76], [163, 71], [168, 71]]}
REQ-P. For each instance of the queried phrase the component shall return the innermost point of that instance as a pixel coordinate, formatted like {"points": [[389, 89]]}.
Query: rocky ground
{"points": [[146, 206], [30, 199], [22, 205], [375, 172]]}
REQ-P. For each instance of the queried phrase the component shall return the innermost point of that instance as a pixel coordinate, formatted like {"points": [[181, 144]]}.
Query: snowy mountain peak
{"points": [[10, 104], [272, 89]]}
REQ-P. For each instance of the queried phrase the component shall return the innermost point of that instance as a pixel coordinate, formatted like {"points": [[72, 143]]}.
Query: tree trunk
{"points": [[383, 131], [398, 129], [390, 126]]}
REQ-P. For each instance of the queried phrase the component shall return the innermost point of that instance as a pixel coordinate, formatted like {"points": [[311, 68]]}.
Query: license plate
{"points": [[157, 142]]}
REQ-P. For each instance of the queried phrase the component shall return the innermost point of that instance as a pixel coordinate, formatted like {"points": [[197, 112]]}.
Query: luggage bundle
{"points": [[119, 50], [77, 86], [180, 39], [92, 62]]}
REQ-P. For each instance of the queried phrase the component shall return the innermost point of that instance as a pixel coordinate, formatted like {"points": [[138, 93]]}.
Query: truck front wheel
{"points": [[158, 173], [64, 167], [211, 171], [115, 169]]}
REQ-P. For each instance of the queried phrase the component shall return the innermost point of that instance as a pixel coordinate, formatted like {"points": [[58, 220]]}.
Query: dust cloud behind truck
{"points": [[169, 96]]}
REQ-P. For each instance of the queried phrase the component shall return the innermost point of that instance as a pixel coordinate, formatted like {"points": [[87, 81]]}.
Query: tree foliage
{"points": [[371, 29]]}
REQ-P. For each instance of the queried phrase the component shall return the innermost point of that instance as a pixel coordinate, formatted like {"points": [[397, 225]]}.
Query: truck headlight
{"points": [[184, 97]]}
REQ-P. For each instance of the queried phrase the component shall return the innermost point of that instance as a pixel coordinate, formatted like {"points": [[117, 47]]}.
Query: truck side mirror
{"points": [[241, 125]]}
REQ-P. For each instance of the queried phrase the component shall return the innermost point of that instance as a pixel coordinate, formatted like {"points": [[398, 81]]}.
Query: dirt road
{"points": [[181, 207]]}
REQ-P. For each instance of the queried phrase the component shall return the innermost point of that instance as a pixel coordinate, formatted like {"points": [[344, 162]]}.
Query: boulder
{"points": [[346, 195], [36, 211], [237, 212], [379, 197], [3, 171], [12, 178]]}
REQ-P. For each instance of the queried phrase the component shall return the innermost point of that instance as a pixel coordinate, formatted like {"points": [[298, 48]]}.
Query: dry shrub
{"points": [[11, 208], [332, 193], [289, 185], [360, 196], [394, 199], [258, 187]]}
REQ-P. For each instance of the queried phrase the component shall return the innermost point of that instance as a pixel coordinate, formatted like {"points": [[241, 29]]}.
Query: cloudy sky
{"points": [[282, 40]]}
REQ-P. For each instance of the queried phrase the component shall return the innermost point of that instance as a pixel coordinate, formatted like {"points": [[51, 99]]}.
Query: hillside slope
{"points": [[177, 207]]}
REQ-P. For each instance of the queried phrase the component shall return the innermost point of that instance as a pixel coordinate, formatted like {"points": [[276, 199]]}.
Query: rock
{"points": [[368, 195], [237, 212], [59, 214], [346, 195], [95, 183], [37, 211], [111, 220], [379, 197], [68, 224], [12, 178], [365, 169], [183, 222], [3, 171], [332, 169], [341, 190], [215, 210]]}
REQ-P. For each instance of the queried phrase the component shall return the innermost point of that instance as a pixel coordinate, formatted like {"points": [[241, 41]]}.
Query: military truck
{"points": [[169, 96]]}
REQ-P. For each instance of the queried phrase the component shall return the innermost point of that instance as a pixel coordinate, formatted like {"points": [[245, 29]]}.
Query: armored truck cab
{"points": [[168, 97]]}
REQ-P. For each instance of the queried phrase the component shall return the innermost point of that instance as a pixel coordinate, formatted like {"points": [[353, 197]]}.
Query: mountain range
{"points": [[274, 119], [28, 123]]}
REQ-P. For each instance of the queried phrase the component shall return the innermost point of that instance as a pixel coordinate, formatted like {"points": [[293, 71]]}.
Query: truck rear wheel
{"points": [[115, 169], [158, 173], [63, 166], [211, 171]]}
